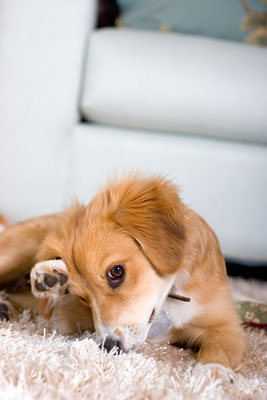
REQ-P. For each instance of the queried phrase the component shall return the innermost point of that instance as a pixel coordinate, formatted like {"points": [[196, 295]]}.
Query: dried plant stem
{"points": [[246, 7], [178, 297]]}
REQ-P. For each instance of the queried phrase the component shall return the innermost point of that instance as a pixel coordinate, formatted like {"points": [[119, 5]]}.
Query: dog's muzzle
{"points": [[160, 327]]}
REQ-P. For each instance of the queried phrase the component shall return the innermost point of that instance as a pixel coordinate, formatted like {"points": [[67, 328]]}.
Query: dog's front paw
{"points": [[49, 279], [216, 371]]}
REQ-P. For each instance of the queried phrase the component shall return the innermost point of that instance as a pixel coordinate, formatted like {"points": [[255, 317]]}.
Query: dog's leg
{"points": [[221, 345], [19, 244], [49, 281], [224, 345], [10, 303]]}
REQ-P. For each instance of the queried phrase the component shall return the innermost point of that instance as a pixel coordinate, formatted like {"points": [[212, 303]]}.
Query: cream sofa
{"points": [[78, 105]]}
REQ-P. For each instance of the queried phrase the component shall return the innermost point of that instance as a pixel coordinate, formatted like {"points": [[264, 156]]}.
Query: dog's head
{"points": [[126, 246]]}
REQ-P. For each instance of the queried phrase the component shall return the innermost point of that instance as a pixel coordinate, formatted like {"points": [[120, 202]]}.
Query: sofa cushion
{"points": [[224, 181], [176, 82]]}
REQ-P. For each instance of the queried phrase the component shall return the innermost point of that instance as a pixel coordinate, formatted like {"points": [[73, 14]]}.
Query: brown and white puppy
{"points": [[110, 266]]}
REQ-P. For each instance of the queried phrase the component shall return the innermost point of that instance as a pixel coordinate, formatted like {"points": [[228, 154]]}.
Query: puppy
{"points": [[110, 266]]}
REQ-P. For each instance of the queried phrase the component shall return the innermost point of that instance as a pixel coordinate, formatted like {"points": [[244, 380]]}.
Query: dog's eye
{"points": [[116, 272], [115, 275]]}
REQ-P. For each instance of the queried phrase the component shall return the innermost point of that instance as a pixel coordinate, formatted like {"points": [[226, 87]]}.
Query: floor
{"points": [[38, 363]]}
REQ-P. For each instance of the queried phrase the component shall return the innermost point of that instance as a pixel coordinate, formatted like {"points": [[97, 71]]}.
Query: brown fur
{"points": [[19, 244], [3, 220], [142, 223]]}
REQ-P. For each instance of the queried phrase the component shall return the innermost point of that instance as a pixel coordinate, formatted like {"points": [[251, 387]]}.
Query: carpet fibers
{"points": [[38, 363]]}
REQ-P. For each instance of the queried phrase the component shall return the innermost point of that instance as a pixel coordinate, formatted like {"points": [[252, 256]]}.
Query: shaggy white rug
{"points": [[37, 363]]}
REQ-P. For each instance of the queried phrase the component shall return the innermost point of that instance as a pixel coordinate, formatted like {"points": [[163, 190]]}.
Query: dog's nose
{"points": [[110, 343]]}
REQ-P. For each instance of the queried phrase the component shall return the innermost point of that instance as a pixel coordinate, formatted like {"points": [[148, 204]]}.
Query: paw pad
{"points": [[46, 281], [62, 278], [49, 278], [4, 312], [40, 286]]}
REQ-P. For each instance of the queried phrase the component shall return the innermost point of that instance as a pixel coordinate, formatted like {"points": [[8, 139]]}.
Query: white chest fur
{"points": [[181, 312]]}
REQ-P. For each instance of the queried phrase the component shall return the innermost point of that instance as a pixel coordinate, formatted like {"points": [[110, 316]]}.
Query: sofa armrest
{"points": [[42, 45]]}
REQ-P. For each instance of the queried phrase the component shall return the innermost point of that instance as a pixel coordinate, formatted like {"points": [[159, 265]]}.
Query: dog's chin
{"points": [[132, 347]]}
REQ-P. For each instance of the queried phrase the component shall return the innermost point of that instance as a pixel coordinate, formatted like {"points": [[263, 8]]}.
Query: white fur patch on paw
{"points": [[49, 279], [2, 228], [216, 371]]}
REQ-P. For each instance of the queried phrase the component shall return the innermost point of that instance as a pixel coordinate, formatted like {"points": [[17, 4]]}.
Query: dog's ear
{"points": [[150, 210]]}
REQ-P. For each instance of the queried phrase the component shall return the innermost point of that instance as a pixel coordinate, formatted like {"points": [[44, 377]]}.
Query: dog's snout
{"points": [[110, 343]]}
